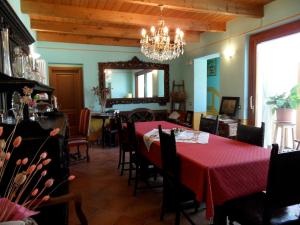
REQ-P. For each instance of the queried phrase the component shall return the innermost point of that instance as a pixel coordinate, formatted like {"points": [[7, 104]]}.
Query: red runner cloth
{"points": [[221, 170]]}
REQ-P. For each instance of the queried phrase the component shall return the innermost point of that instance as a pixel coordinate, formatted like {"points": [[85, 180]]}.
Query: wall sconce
{"points": [[229, 52]]}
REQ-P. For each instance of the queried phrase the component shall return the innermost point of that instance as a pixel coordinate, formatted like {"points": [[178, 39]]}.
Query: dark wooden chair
{"points": [[143, 169], [110, 135], [251, 135], [209, 125], [125, 147], [82, 137], [131, 147], [279, 205], [174, 193], [141, 115], [68, 198]]}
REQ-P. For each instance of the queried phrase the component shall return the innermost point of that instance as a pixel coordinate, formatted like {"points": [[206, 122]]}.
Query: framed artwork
{"points": [[229, 106], [189, 117], [212, 67]]}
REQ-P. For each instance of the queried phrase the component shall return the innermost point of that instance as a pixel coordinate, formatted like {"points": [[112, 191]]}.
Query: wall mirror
{"points": [[135, 81]]}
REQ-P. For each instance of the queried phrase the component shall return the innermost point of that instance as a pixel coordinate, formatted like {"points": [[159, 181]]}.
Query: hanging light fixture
{"points": [[157, 44]]}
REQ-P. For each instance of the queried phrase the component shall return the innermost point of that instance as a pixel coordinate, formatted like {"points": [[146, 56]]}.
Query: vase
{"points": [[5, 52], [286, 115]]}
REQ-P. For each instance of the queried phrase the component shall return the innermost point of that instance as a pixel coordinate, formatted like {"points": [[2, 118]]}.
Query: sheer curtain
{"points": [[277, 72]]}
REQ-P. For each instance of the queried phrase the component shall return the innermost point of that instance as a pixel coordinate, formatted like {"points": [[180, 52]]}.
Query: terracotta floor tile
{"points": [[108, 200]]}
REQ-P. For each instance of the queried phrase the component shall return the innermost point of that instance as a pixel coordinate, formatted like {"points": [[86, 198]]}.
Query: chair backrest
{"points": [[283, 180], [169, 158], [132, 139], [141, 115], [251, 135], [209, 125], [84, 122]]}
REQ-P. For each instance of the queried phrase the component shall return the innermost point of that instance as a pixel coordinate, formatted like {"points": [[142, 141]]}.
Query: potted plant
{"points": [[286, 104]]}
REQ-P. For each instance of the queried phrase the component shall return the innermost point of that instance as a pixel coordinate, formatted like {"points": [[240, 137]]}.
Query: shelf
{"points": [[8, 83]]}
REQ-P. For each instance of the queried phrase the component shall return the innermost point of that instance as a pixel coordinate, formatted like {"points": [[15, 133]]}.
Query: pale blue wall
{"points": [[89, 56]]}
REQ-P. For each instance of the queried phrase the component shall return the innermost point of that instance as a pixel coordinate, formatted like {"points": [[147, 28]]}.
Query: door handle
{"points": [[251, 103]]}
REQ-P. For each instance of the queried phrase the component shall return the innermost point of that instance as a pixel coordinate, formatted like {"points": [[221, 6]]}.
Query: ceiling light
{"points": [[157, 44]]}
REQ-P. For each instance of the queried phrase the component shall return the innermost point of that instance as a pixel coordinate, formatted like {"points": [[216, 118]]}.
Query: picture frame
{"points": [[189, 117], [212, 67], [229, 106]]}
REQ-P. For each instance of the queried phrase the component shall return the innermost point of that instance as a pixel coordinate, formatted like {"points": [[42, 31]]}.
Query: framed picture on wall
{"points": [[212, 67]]}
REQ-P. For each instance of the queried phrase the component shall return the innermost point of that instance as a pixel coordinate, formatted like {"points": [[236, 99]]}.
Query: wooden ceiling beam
{"points": [[207, 6], [85, 39], [102, 30], [64, 11]]}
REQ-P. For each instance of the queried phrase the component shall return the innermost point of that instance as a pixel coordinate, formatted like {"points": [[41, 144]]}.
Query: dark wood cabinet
{"points": [[228, 128]]}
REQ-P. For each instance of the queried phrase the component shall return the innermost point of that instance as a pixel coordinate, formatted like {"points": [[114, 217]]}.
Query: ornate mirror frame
{"points": [[135, 63]]}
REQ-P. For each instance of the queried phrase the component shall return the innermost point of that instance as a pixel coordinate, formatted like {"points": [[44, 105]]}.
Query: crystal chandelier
{"points": [[157, 45]]}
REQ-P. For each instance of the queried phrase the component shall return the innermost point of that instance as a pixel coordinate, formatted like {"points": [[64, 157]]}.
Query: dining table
{"points": [[220, 170]]}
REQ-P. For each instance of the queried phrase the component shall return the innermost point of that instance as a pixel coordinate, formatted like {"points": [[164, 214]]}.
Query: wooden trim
{"points": [[255, 39], [86, 39], [95, 15], [220, 7], [135, 63]]}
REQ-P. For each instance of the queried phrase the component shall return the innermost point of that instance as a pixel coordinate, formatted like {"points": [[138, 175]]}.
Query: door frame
{"points": [[255, 39]]}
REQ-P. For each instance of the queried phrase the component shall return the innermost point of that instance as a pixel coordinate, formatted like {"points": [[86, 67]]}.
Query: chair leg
{"points": [[78, 152], [123, 163], [136, 177], [162, 212], [120, 152], [87, 153], [177, 217], [130, 168]]}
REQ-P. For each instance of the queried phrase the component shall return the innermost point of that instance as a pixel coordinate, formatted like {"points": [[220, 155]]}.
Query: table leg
{"points": [[293, 137], [282, 138], [103, 126], [275, 134], [220, 217]]}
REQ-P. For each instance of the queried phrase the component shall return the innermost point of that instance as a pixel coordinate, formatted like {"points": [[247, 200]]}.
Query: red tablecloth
{"points": [[221, 170]]}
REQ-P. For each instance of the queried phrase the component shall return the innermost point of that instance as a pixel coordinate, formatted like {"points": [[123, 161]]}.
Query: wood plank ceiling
{"points": [[119, 22]]}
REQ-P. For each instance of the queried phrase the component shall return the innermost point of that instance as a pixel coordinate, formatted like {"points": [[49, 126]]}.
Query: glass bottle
{"points": [[6, 56]]}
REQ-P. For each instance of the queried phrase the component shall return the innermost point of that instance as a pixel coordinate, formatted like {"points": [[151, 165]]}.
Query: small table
{"points": [[284, 126], [104, 116]]}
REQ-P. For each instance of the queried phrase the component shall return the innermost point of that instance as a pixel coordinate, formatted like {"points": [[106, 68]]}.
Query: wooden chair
{"points": [[251, 135], [124, 147], [209, 125], [141, 115], [174, 193], [82, 137], [138, 163], [67, 198], [280, 204], [131, 147]]}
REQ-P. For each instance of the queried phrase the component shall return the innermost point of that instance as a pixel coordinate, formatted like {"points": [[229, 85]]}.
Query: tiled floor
{"points": [[108, 200]]}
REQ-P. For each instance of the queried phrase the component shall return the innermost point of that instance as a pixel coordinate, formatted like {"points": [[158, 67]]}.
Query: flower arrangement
{"points": [[28, 186], [102, 93]]}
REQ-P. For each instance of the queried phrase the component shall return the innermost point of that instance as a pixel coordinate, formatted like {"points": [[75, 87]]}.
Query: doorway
{"points": [[68, 85], [274, 56]]}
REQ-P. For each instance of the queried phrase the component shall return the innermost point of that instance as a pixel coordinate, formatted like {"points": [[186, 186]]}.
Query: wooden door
{"points": [[256, 39], [68, 85]]}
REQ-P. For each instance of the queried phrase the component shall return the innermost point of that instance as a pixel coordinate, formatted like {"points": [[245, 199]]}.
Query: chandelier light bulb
{"points": [[144, 32], [152, 29], [158, 45], [166, 30]]}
